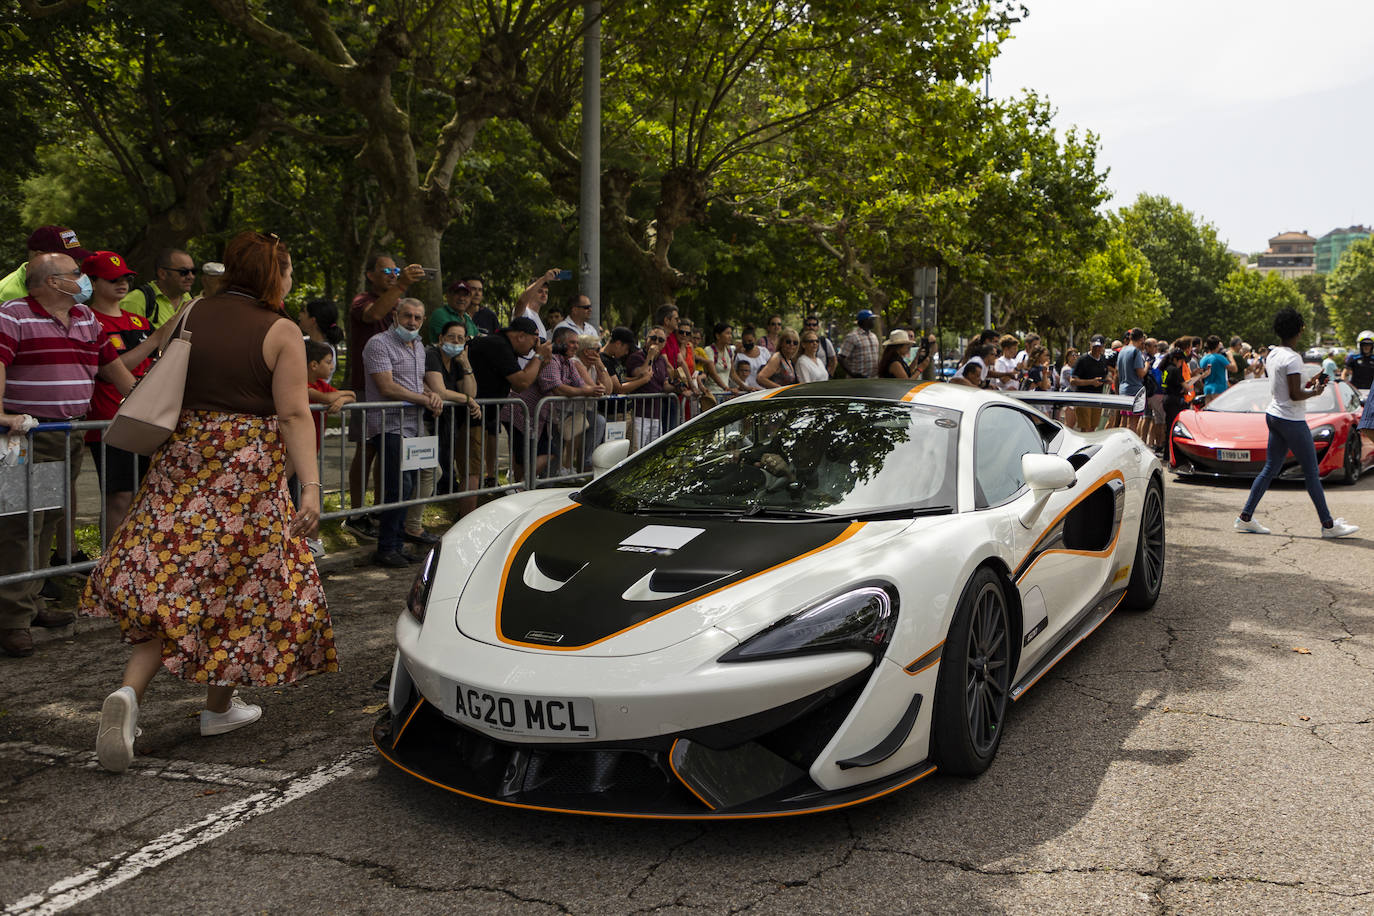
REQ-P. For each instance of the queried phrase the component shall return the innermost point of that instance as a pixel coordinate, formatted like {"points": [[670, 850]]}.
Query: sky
{"points": [[1255, 116]]}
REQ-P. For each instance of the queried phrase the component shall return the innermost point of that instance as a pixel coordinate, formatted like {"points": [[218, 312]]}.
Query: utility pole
{"points": [[589, 259]]}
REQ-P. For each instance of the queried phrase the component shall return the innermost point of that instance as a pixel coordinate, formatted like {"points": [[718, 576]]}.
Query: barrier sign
{"points": [[419, 452], [615, 431], [49, 487]]}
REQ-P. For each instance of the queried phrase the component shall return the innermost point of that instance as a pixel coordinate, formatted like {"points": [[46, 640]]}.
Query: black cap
{"points": [[1099, 341], [524, 325], [624, 335]]}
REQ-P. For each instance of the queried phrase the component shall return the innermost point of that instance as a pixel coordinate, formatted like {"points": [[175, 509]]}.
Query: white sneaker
{"points": [[237, 715], [114, 742], [1340, 528], [316, 547], [1250, 527]]}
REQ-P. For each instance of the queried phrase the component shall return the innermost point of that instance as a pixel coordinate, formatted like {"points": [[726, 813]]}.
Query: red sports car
{"points": [[1229, 438]]}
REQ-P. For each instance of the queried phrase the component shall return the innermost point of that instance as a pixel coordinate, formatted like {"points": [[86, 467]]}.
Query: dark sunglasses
{"points": [[811, 322], [657, 339], [184, 271]]}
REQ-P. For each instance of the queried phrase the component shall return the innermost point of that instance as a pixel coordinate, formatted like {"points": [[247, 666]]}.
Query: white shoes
{"points": [[1250, 527], [114, 742], [1340, 528], [237, 715]]}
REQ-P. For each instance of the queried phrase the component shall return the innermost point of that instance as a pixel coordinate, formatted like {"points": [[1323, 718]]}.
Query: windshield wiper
{"points": [[782, 512], [894, 512], [667, 509]]}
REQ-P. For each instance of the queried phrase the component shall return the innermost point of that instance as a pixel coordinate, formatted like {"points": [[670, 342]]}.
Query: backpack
{"points": [[150, 304]]}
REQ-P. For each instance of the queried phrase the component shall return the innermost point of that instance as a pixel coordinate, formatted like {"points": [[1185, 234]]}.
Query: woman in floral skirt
{"points": [[210, 575]]}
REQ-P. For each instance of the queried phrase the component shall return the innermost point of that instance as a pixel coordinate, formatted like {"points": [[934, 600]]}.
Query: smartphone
{"points": [[563, 275]]}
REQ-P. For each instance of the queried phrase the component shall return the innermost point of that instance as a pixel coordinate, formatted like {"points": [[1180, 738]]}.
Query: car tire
{"points": [[1147, 571], [1351, 461], [974, 684]]}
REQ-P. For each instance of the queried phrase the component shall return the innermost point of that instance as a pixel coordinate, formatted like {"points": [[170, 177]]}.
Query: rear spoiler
{"points": [[1134, 404]]}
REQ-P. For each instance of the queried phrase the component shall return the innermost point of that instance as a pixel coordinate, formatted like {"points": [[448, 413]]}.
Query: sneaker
{"points": [[237, 715], [114, 743], [362, 526], [50, 591], [423, 537], [1340, 528], [316, 547], [393, 559], [1250, 527]]}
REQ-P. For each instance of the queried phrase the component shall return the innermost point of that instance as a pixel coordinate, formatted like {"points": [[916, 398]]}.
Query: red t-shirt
{"points": [[124, 332], [318, 416]]}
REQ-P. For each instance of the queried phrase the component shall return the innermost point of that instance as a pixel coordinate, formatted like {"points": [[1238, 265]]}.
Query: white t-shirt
{"points": [[811, 369], [751, 381], [1283, 362], [1006, 364]]}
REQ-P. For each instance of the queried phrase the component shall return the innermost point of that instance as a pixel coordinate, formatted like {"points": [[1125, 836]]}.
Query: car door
{"points": [[1061, 562]]}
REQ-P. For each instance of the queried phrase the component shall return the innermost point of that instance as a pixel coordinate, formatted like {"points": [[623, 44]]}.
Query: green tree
{"points": [[1251, 299], [1188, 260], [1350, 290]]}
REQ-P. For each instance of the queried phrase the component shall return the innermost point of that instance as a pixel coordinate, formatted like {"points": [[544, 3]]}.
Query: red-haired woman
{"points": [[210, 576]]}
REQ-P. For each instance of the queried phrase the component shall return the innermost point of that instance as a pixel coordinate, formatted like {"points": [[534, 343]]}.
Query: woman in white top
{"points": [[720, 355], [811, 363], [1286, 418]]}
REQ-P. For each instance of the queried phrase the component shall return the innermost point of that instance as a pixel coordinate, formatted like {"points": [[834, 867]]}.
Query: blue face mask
{"points": [[83, 292], [405, 334], [452, 349]]}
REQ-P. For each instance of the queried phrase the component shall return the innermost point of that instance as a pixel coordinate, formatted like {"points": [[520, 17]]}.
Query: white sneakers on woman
{"points": [[237, 715], [114, 742], [1340, 528]]}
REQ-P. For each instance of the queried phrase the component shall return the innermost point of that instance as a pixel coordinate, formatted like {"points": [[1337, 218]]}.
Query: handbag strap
{"points": [[180, 329]]}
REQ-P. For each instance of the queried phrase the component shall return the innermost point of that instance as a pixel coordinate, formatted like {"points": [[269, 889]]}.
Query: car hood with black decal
{"points": [[567, 577]]}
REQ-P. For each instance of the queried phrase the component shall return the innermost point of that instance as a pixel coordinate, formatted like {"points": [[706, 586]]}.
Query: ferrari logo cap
{"points": [[106, 265]]}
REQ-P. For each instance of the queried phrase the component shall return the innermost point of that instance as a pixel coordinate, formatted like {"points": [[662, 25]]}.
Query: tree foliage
{"points": [[1350, 291], [1250, 300]]}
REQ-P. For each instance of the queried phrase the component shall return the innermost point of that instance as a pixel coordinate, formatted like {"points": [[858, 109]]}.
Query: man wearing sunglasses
{"points": [[160, 300]]}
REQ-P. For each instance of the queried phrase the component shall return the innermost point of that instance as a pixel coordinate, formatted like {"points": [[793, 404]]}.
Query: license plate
{"points": [[532, 717], [1233, 454]]}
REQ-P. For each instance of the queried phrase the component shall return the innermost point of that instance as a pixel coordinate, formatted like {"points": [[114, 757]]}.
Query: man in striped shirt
{"points": [[51, 350]]}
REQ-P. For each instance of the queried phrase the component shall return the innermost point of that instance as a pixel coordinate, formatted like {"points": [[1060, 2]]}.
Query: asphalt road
{"points": [[1213, 754]]}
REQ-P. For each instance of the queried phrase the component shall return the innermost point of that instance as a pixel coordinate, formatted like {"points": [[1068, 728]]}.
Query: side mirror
{"points": [[1044, 474], [608, 454]]}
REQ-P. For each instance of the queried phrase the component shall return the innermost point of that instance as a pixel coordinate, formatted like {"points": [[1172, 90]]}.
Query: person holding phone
{"points": [[1286, 418]]}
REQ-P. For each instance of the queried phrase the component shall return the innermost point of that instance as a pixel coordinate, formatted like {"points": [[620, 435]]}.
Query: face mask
{"points": [[83, 294], [405, 334], [452, 349]]}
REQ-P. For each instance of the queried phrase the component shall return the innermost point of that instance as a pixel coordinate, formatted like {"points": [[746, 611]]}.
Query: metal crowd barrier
{"points": [[575, 426]]}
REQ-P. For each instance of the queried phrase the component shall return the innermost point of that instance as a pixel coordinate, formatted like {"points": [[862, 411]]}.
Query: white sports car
{"points": [[800, 600]]}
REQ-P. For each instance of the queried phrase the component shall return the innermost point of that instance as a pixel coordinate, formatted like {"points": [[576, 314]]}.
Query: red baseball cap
{"points": [[106, 265], [58, 239]]}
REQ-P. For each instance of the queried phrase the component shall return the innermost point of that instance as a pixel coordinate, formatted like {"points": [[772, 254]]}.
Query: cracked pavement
{"points": [[1212, 754]]}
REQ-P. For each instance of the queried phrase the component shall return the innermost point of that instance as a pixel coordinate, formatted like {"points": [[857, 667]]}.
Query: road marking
{"points": [[103, 876], [160, 768]]}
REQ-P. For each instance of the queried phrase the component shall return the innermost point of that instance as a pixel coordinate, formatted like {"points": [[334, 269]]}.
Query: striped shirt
{"points": [[385, 352], [50, 368]]}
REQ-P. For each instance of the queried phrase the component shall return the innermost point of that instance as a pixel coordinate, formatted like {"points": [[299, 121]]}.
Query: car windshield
{"points": [[1253, 396], [792, 458]]}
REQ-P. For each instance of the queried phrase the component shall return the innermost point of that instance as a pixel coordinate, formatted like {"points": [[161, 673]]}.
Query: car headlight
{"points": [[1323, 434], [860, 620], [418, 596], [1181, 431]]}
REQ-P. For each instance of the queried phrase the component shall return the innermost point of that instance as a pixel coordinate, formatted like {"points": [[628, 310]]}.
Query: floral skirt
{"points": [[204, 564]]}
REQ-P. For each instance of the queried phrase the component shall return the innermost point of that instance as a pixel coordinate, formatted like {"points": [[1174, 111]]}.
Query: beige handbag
{"points": [[150, 413]]}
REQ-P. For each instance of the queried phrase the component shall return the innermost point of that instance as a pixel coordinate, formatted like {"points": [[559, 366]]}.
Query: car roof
{"points": [[937, 394]]}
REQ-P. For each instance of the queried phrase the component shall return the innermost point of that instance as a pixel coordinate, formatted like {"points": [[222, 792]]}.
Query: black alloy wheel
{"points": [[1147, 572], [1352, 465], [974, 684]]}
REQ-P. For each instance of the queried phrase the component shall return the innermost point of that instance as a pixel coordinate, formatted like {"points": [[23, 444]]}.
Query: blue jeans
{"points": [[1286, 436], [396, 486]]}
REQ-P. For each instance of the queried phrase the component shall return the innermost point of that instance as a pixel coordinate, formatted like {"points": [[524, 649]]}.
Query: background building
{"points": [[1331, 246], [1291, 254]]}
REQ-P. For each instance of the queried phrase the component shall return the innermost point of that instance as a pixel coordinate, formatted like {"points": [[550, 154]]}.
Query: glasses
{"points": [[789, 343], [812, 322], [657, 339], [390, 271], [684, 331], [184, 271], [775, 324]]}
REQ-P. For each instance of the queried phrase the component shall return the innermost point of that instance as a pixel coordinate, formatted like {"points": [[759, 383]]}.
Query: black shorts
{"points": [[518, 444], [121, 471]]}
